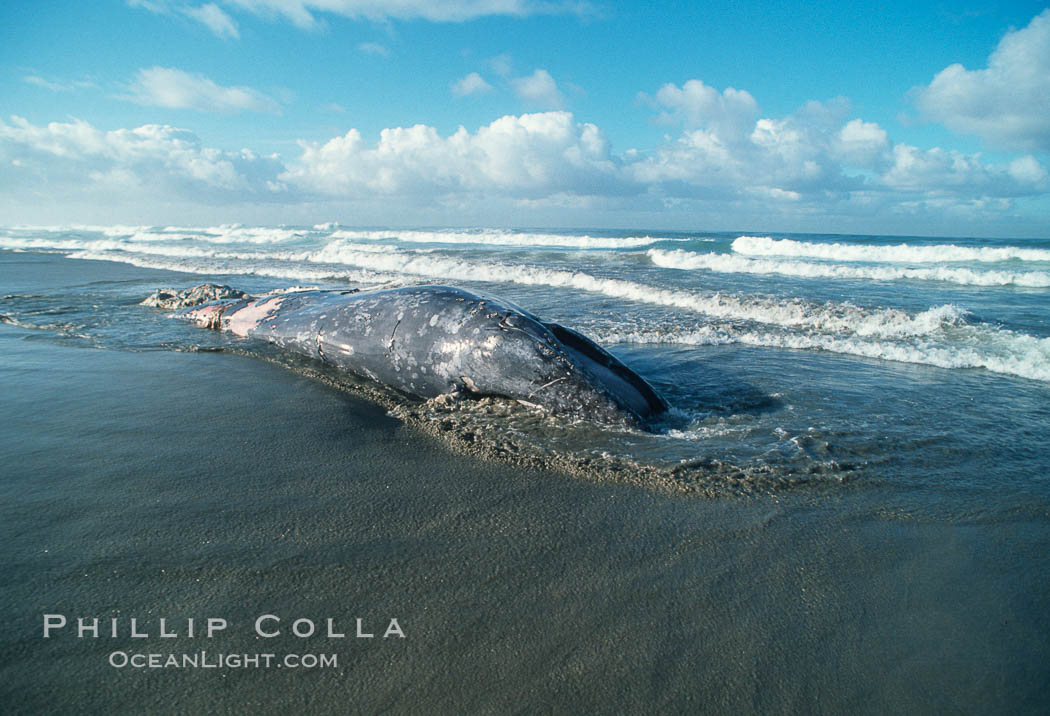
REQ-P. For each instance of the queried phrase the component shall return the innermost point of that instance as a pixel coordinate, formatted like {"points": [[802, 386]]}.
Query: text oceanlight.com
{"points": [[204, 660]]}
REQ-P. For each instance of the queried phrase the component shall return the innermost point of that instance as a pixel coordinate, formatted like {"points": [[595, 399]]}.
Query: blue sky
{"points": [[904, 118]]}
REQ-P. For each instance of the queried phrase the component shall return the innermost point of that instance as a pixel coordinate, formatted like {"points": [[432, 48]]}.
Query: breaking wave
{"points": [[288, 271], [837, 318], [177, 249], [1000, 351], [898, 253], [728, 263]]}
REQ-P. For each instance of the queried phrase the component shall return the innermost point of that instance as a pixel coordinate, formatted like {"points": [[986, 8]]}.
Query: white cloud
{"points": [[804, 159], [859, 143], [801, 167], [74, 158], [214, 18], [374, 48], [531, 155], [941, 173], [813, 157], [1026, 170], [471, 84], [731, 154], [209, 14], [539, 89], [1008, 103], [694, 104], [301, 12], [176, 89]]}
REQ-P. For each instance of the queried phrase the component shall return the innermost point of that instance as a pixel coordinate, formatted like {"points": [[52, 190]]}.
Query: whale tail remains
{"points": [[427, 341]]}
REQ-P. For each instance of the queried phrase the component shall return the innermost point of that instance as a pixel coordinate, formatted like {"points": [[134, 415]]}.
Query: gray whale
{"points": [[428, 341]]}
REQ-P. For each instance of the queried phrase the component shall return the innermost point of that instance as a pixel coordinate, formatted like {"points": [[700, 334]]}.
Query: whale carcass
{"points": [[427, 341]]}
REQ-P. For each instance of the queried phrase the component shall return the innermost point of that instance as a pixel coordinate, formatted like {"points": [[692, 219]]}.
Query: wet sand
{"points": [[182, 486]]}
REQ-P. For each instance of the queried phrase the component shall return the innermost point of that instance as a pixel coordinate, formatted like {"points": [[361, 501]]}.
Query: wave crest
{"points": [[898, 253], [728, 263]]}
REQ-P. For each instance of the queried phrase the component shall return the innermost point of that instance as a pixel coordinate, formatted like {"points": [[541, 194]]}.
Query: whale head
{"points": [[500, 349]]}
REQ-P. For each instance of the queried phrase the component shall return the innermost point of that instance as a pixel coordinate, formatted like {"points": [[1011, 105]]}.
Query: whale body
{"points": [[427, 341]]}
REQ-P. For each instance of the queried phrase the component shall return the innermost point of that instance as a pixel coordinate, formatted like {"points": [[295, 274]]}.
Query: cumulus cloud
{"points": [[176, 89], [471, 84], [859, 143], [816, 162], [812, 157], [531, 155], [804, 159], [1027, 170], [695, 105], [724, 151], [1008, 103], [76, 158], [938, 172], [539, 89]]}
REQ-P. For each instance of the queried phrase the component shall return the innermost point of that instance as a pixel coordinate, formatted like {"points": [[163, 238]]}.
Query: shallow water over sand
{"points": [[213, 485]]}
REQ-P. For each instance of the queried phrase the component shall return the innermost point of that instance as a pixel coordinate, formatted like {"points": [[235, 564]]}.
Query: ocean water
{"points": [[789, 360]]}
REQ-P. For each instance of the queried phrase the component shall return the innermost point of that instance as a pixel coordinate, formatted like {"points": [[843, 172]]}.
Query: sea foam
{"points": [[235, 267], [999, 351], [898, 253], [729, 263]]}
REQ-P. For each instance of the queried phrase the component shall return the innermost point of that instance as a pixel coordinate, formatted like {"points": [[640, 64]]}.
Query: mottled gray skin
{"points": [[428, 341]]}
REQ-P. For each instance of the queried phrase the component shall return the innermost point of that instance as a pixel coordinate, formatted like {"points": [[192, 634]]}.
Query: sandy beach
{"points": [[202, 485]]}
